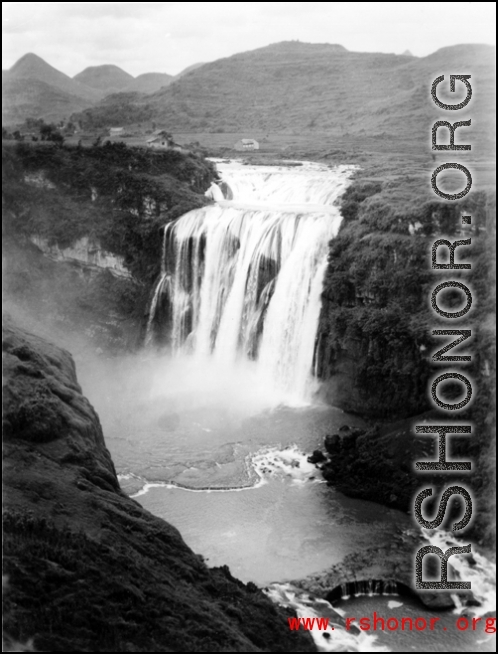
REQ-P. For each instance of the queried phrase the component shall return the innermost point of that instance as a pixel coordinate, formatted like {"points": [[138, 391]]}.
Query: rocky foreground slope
{"points": [[87, 568]]}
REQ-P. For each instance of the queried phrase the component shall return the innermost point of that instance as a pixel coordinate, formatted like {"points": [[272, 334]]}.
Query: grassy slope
{"points": [[88, 568], [106, 78], [32, 67], [28, 98]]}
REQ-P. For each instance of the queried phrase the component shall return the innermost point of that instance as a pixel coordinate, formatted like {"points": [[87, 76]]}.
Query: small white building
{"points": [[246, 144], [116, 131]]}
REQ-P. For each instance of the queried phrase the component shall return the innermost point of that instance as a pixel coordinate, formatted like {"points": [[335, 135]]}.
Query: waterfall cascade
{"points": [[242, 278], [359, 588]]}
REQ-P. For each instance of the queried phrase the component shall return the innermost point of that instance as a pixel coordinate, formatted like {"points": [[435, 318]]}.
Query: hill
{"points": [[31, 98], [31, 66], [300, 87], [149, 82], [34, 88], [106, 78], [189, 69]]}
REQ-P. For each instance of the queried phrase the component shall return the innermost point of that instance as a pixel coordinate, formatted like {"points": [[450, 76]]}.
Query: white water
{"points": [[243, 277], [481, 573], [339, 639]]}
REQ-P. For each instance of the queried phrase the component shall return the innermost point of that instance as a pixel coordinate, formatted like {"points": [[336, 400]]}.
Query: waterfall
{"points": [[159, 287], [244, 276], [359, 588]]}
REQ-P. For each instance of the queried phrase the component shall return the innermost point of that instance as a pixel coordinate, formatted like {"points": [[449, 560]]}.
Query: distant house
{"points": [[162, 140], [246, 144], [116, 131]]}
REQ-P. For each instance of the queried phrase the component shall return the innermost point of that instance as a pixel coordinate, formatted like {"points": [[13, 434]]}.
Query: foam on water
{"points": [[335, 638], [477, 569], [266, 465], [288, 463]]}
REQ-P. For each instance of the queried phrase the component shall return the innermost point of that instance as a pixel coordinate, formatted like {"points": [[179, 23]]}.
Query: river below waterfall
{"points": [[245, 495], [210, 426]]}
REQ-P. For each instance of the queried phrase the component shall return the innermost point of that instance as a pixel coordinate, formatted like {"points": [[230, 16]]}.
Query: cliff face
{"points": [[88, 568], [375, 345], [85, 252], [374, 337], [98, 212]]}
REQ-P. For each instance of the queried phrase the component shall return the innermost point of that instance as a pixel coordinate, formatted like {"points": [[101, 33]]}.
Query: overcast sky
{"points": [[169, 36]]}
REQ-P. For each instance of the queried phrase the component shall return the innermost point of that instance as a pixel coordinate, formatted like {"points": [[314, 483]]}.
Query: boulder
{"points": [[317, 457]]}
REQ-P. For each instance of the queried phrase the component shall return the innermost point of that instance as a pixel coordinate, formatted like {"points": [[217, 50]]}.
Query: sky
{"points": [[167, 37]]}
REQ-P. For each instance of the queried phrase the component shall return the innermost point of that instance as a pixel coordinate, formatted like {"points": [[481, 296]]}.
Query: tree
{"points": [[56, 137], [51, 133], [46, 131]]}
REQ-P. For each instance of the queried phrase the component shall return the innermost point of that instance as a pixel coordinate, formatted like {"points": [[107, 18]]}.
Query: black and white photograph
{"points": [[249, 337]]}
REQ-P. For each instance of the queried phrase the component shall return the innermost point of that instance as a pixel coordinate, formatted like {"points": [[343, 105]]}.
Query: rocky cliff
{"points": [[87, 568], [374, 340], [98, 211], [375, 344]]}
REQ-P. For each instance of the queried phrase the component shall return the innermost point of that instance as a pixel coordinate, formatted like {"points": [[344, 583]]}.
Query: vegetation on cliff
{"points": [[375, 333], [119, 198], [376, 323], [116, 195], [87, 568]]}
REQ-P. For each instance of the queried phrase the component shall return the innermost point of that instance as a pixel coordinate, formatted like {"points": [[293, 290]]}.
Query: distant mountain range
{"points": [[288, 87], [32, 88], [33, 67], [298, 87], [112, 79], [105, 78]]}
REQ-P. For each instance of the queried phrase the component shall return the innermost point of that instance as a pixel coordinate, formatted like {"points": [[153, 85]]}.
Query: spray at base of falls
{"points": [[242, 280]]}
